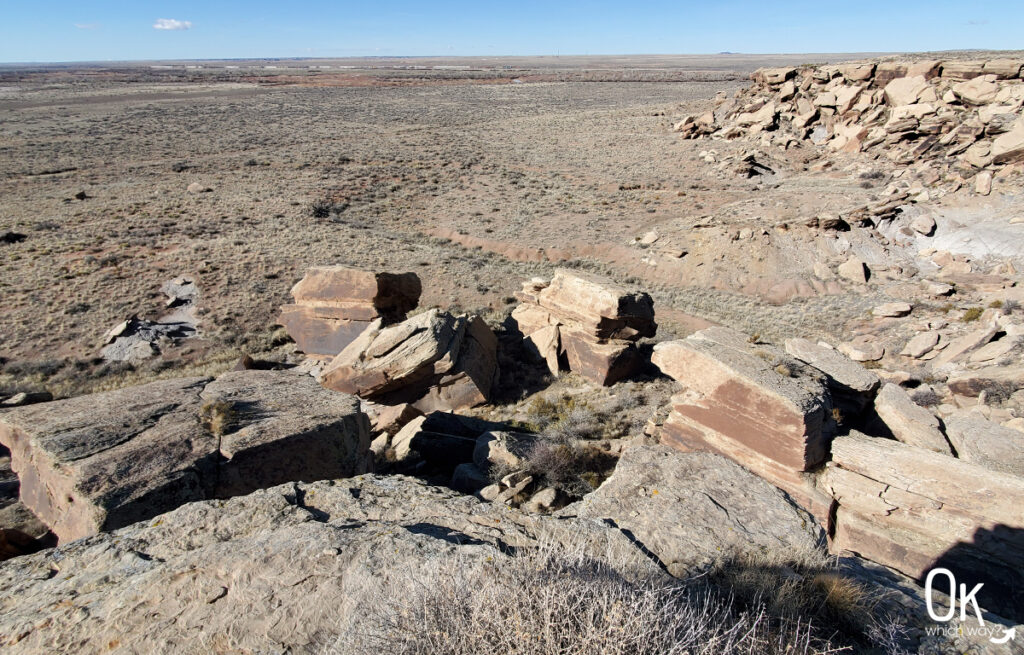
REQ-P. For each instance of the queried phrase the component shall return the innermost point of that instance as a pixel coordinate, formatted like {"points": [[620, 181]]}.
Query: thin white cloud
{"points": [[171, 24], [87, 26]]}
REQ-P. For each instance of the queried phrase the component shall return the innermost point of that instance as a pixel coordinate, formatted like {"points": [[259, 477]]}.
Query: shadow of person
{"points": [[995, 559]]}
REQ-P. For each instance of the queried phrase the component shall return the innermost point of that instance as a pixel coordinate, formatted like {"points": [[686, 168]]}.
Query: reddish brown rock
{"points": [[334, 304], [912, 510], [585, 323], [751, 403], [434, 361]]}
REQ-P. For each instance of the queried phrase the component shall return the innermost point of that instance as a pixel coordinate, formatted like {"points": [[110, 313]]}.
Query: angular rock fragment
{"points": [[334, 304], [852, 386], [908, 421], [434, 361]]}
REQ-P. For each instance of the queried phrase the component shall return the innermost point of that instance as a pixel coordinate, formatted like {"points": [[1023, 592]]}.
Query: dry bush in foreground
{"points": [[550, 601]]}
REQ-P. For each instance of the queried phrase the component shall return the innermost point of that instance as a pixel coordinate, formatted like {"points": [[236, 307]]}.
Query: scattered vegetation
{"points": [[218, 416], [972, 314]]}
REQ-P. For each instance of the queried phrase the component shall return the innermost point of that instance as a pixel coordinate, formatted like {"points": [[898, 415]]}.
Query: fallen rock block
{"points": [[751, 403], [334, 304], [102, 461], [909, 422], [1004, 380], [434, 361], [585, 323], [914, 510], [852, 386]]}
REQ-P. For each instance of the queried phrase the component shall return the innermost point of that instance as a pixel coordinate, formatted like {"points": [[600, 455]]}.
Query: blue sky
{"points": [[112, 30]]}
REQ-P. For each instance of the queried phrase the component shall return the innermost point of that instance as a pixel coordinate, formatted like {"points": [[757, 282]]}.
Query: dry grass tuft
{"points": [[554, 599], [218, 416]]}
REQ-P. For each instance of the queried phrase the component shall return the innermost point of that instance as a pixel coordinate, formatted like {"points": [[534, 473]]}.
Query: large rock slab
{"points": [[434, 360], [334, 304], [852, 385], [751, 403], [607, 310], [693, 510], [102, 461], [912, 510], [290, 569]]}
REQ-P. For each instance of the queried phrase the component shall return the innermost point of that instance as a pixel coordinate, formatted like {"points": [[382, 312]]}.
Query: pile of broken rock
{"points": [[949, 121]]}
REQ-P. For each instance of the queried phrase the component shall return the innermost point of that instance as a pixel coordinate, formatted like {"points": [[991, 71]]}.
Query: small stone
{"points": [[921, 345], [892, 309], [923, 224], [854, 270], [862, 349], [983, 183]]}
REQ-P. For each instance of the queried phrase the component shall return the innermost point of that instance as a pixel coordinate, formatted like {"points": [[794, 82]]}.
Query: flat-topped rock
{"points": [[334, 304], [102, 461], [599, 305], [980, 441], [751, 403], [852, 385], [912, 510]]}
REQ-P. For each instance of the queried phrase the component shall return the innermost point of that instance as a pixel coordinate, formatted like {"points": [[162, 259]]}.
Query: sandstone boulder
{"points": [[977, 91], [854, 270], [434, 361], [909, 422], [694, 510], [334, 304], [99, 462], [585, 323], [921, 344], [852, 386], [750, 403], [988, 444], [905, 90]]}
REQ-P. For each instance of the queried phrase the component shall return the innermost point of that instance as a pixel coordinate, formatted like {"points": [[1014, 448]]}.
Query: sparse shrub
{"points": [[996, 304], [971, 315], [1010, 306], [784, 370], [218, 416], [566, 465], [926, 397]]}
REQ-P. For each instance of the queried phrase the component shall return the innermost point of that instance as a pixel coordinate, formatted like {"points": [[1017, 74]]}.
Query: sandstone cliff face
{"points": [[103, 461], [334, 304]]}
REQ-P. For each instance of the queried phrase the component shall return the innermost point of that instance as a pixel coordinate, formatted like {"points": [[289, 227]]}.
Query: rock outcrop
{"points": [[953, 119], [913, 510], [102, 461], [334, 304], [751, 403], [295, 566], [696, 509], [434, 361], [586, 324]]}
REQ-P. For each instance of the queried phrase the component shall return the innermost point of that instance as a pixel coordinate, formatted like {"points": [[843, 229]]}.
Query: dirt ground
{"points": [[474, 179]]}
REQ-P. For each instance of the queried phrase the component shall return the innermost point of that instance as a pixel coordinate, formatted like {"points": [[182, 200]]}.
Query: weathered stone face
{"points": [[434, 361], [913, 510], [695, 509], [750, 403], [334, 304], [99, 462]]}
